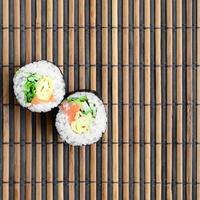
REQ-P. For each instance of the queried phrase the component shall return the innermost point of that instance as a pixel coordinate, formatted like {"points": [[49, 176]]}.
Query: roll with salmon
{"points": [[39, 86], [81, 119]]}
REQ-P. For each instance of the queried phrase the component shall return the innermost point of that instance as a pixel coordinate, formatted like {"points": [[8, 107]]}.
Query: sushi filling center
{"points": [[80, 113], [38, 89]]}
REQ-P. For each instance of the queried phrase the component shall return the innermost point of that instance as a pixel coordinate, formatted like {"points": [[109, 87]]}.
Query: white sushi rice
{"points": [[97, 127], [44, 68]]}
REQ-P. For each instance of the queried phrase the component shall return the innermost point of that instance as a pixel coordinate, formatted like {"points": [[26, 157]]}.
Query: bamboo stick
{"points": [[49, 133], [60, 62], [158, 99], [198, 100], [104, 96], [38, 158], [125, 101], [82, 86], [6, 152], [93, 87], [115, 99], [147, 98], [136, 100], [169, 99], [16, 107], [49, 158], [38, 31], [179, 167], [38, 116], [71, 88], [28, 177], [5, 33], [17, 152], [5, 52], [189, 100], [5, 100]]}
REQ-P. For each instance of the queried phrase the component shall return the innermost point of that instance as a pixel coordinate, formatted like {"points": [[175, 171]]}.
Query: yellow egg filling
{"points": [[82, 123], [44, 89]]}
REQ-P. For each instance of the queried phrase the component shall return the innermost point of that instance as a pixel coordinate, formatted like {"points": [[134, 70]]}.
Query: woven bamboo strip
{"points": [[60, 62], [158, 99], [71, 88], [5, 52], [17, 152], [136, 99], [38, 158], [125, 101], [179, 101], [189, 100], [198, 100], [104, 95], [5, 100], [115, 160], [28, 113], [49, 132], [17, 108], [38, 116], [6, 152], [38, 31], [147, 98], [82, 86], [169, 99], [93, 87]]}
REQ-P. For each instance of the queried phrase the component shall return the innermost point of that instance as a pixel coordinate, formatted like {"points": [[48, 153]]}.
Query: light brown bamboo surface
{"points": [[143, 61], [115, 133], [28, 134], [169, 99], [125, 115], [71, 88], [17, 108], [158, 100], [93, 160], [82, 86], [6, 100], [147, 98], [104, 193], [38, 117], [189, 93], [49, 120]]}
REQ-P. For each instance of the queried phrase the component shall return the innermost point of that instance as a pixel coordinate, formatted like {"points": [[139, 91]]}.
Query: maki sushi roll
{"points": [[81, 119], [39, 86]]}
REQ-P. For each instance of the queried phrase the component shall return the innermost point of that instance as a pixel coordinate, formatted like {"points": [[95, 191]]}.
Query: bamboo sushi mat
{"points": [[142, 57]]}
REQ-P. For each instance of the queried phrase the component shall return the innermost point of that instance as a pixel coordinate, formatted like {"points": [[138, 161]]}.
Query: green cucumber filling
{"points": [[37, 86], [85, 116], [30, 87]]}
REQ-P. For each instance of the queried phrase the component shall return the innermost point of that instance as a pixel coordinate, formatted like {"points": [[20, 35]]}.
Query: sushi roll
{"points": [[39, 86], [81, 119]]}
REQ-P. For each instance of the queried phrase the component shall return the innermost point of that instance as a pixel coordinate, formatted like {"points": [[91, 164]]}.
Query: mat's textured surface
{"points": [[142, 57]]}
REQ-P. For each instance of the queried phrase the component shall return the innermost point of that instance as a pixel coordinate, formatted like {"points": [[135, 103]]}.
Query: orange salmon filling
{"points": [[70, 110]]}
